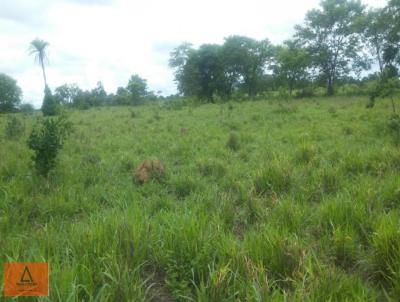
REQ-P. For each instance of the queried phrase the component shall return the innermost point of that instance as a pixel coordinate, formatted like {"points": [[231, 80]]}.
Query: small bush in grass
{"points": [[305, 154], [233, 142], [332, 111], [14, 128], [211, 167], [46, 140], [133, 114], [273, 180], [347, 130]]}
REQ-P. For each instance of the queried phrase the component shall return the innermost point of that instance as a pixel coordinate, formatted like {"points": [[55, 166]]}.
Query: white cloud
{"points": [[109, 40]]}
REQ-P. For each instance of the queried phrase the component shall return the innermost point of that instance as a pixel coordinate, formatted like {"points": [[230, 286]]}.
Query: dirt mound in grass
{"points": [[148, 170]]}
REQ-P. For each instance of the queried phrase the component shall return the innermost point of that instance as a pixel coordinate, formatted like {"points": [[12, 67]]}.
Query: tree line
{"points": [[334, 45]]}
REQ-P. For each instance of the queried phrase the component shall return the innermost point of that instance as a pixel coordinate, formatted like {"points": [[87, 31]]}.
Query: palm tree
{"points": [[38, 48]]}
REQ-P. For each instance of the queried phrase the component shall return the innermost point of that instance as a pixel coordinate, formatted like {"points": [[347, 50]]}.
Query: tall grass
{"points": [[261, 201]]}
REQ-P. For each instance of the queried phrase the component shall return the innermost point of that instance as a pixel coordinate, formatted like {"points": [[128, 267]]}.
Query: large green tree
{"points": [[183, 59], [245, 61], [291, 64], [391, 16], [376, 31], [137, 88], [332, 35], [65, 94], [38, 48], [10, 93]]}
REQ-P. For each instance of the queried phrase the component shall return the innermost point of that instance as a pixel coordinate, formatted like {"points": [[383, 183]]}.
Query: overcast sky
{"points": [[109, 40]]}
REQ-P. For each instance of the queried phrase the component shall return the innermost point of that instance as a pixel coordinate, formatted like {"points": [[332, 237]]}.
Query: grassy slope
{"points": [[302, 204]]}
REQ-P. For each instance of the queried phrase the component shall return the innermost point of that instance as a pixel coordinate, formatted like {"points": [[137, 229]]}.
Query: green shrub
{"points": [[184, 186], [46, 140], [14, 128], [305, 154], [50, 106]]}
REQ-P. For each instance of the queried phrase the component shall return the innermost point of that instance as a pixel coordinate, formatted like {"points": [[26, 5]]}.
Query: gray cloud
{"points": [[24, 11]]}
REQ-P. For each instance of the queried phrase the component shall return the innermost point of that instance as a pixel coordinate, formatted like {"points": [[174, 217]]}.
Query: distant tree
{"points": [[82, 100], [39, 49], [291, 65], [178, 61], [208, 71], [26, 108], [391, 49], [375, 33], [10, 93], [65, 94], [332, 35], [121, 97], [98, 95], [246, 59], [388, 84], [137, 88]]}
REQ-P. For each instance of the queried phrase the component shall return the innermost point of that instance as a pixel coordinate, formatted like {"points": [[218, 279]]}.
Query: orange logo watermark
{"points": [[26, 279]]}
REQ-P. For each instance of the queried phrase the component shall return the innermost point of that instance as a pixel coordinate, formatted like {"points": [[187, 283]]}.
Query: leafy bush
{"points": [[46, 140], [184, 186], [50, 105], [14, 128]]}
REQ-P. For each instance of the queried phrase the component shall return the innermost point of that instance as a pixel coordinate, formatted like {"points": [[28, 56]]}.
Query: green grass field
{"points": [[261, 201]]}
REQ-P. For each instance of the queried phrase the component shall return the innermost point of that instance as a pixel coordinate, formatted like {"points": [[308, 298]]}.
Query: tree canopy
{"points": [[10, 94]]}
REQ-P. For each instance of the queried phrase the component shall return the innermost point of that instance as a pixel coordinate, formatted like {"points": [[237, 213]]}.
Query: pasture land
{"points": [[261, 201]]}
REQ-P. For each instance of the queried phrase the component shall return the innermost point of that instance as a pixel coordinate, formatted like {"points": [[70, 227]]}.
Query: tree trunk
{"points": [[44, 74], [330, 88]]}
